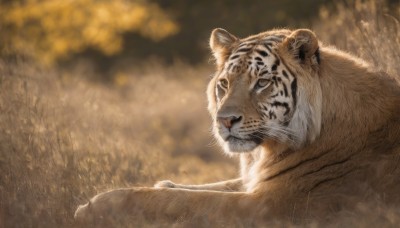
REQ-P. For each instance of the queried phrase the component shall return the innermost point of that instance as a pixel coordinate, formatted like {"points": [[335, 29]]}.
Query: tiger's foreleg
{"points": [[234, 185], [166, 204]]}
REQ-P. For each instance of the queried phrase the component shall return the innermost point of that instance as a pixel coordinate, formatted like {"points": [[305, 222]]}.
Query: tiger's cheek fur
{"points": [[306, 120]]}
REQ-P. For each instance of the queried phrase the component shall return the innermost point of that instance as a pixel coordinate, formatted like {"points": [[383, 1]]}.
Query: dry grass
{"points": [[368, 29], [63, 138]]}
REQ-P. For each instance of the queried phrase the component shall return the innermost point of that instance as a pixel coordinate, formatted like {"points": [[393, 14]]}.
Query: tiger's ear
{"points": [[303, 45], [221, 43]]}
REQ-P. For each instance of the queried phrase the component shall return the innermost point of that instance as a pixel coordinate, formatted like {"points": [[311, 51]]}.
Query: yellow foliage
{"points": [[49, 30]]}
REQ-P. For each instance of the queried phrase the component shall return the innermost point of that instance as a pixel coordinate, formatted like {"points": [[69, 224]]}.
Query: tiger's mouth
{"points": [[232, 138], [240, 145]]}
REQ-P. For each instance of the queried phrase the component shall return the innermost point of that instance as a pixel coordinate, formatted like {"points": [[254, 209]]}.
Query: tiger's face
{"points": [[254, 95]]}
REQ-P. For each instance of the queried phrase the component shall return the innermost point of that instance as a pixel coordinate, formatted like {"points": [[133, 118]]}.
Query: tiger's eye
{"points": [[224, 83], [263, 82]]}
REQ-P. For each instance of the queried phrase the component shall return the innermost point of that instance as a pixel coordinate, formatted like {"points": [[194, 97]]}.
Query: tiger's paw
{"points": [[165, 184]]}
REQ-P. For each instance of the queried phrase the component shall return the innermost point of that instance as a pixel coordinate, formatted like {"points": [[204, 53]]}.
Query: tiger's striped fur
{"points": [[317, 132]]}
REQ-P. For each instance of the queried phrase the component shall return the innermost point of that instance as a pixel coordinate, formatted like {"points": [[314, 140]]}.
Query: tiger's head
{"points": [[266, 89]]}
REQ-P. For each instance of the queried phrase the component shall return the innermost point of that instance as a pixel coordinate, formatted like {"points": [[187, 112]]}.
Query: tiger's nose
{"points": [[229, 121]]}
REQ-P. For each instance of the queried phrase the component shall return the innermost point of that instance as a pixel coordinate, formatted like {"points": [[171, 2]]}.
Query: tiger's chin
{"points": [[237, 145]]}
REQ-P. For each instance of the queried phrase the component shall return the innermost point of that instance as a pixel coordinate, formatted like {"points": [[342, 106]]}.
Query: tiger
{"points": [[316, 131]]}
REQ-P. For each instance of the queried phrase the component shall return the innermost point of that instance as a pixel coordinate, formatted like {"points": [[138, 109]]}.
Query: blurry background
{"points": [[100, 94], [111, 31]]}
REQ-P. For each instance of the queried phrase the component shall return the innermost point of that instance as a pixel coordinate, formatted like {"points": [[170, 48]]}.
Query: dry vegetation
{"points": [[64, 138], [370, 30]]}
